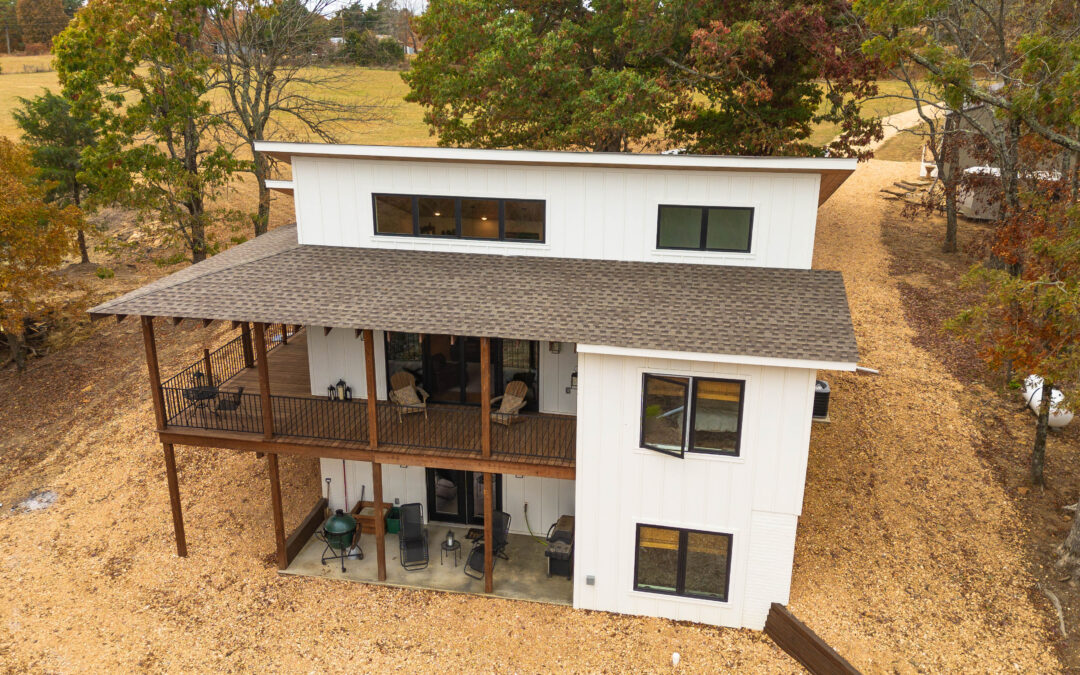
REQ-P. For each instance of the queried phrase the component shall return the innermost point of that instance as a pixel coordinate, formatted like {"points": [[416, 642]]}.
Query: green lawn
{"points": [[884, 106]]}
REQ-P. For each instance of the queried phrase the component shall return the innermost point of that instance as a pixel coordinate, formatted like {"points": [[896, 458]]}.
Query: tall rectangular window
{"points": [[691, 414], [460, 217], [705, 228], [677, 561]]}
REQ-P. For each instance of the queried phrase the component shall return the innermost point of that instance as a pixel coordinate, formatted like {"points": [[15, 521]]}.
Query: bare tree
{"points": [[276, 82]]}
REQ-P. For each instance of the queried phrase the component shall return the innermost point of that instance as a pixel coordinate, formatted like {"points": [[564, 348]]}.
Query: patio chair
{"points": [[407, 396], [412, 537], [510, 403], [229, 401], [500, 536]]}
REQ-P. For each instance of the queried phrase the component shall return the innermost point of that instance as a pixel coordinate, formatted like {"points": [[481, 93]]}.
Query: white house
{"points": [[658, 314]]}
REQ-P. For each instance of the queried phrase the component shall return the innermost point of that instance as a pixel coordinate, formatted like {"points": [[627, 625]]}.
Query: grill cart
{"points": [[560, 548]]}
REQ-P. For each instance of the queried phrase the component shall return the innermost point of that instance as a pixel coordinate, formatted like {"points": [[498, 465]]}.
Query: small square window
{"points": [[680, 227], [480, 218], [524, 220], [393, 214], [437, 216], [728, 229]]}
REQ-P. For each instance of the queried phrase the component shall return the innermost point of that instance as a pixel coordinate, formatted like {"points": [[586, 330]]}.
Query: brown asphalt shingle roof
{"points": [[749, 311]]}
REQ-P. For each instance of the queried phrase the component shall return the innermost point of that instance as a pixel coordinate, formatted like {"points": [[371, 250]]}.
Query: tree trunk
{"points": [[76, 189], [1069, 551], [950, 218], [17, 346], [198, 240], [82, 247], [1038, 453], [262, 217]]}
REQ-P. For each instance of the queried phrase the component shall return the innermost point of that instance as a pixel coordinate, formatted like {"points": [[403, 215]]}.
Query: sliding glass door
{"points": [[448, 366]]}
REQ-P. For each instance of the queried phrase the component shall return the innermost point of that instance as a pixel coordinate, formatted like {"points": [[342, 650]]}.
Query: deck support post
{"points": [[489, 544], [264, 380], [373, 441], [152, 368], [245, 342], [485, 447], [279, 515], [284, 334], [174, 500], [208, 367]]}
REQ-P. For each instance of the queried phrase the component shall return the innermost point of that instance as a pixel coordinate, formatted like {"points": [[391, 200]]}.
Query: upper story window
{"points": [[691, 414], [705, 228], [460, 217]]}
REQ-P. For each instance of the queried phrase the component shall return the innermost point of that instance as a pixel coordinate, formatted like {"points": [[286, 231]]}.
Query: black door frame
{"points": [[465, 506]]}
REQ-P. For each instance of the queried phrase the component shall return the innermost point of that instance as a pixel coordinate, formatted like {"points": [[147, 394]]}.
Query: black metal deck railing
{"points": [[227, 361], [194, 400]]}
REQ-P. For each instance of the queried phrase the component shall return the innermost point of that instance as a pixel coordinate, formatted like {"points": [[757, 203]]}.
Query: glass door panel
{"points": [[444, 373]]}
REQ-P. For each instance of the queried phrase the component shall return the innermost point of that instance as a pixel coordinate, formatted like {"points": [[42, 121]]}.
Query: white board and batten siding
{"points": [[756, 497], [591, 212], [340, 355], [548, 498]]}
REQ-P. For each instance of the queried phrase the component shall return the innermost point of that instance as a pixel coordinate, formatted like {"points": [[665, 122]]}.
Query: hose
{"points": [[529, 527]]}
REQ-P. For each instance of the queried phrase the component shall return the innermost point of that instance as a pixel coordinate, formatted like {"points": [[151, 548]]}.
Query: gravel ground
{"points": [[908, 556]]}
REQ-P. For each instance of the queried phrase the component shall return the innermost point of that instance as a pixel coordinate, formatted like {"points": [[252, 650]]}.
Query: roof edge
{"points": [[286, 150]]}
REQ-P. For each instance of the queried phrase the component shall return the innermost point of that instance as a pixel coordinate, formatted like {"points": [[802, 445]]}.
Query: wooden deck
{"points": [[445, 432]]}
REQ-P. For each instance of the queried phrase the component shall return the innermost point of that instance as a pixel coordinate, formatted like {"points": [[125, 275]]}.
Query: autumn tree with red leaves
{"points": [[1029, 321]]}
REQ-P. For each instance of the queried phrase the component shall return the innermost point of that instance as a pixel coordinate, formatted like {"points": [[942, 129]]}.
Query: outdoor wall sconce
{"points": [[573, 382], [555, 347], [339, 391]]}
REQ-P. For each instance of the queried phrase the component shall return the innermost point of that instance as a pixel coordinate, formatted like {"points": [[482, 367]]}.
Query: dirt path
{"points": [[909, 555]]}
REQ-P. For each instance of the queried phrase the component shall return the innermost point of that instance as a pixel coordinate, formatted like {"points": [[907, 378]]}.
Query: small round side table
{"points": [[454, 548]]}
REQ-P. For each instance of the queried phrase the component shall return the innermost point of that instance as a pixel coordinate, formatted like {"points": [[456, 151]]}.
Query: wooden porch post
{"points": [[159, 418], [284, 334], [208, 367], [485, 397], [373, 440], [279, 516], [174, 500], [264, 380], [155, 373], [245, 342], [485, 448], [489, 516]]}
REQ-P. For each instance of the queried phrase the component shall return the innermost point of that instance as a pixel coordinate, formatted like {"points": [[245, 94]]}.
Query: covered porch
{"points": [[443, 430], [522, 577]]}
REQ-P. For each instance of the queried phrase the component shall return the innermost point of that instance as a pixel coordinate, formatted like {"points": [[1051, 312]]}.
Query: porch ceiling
{"points": [[745, 311]]}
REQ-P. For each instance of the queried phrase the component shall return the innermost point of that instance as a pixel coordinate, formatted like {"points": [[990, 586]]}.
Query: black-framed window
{"points": [[691, 414], [459, 217], [678, 561], [705, 228]]}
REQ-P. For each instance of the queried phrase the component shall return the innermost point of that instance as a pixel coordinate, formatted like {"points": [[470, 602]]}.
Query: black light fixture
{"points": [[339, 391], [573, 382]]}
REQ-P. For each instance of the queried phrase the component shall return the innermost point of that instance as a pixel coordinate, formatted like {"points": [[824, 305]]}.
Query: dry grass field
{"points": [[915, 550], [912, 553]]}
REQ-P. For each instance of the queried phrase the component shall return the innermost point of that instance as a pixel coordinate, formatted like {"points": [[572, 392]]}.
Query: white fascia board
{"points": [[717, 358], [283, 185], [537, 157]]}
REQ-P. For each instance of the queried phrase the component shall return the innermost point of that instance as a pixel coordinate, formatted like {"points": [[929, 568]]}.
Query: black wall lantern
{"points": [[339, 391]]}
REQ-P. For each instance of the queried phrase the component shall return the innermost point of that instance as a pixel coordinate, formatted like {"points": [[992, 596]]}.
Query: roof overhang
{"points": [[738, 359], [833, 171]]}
